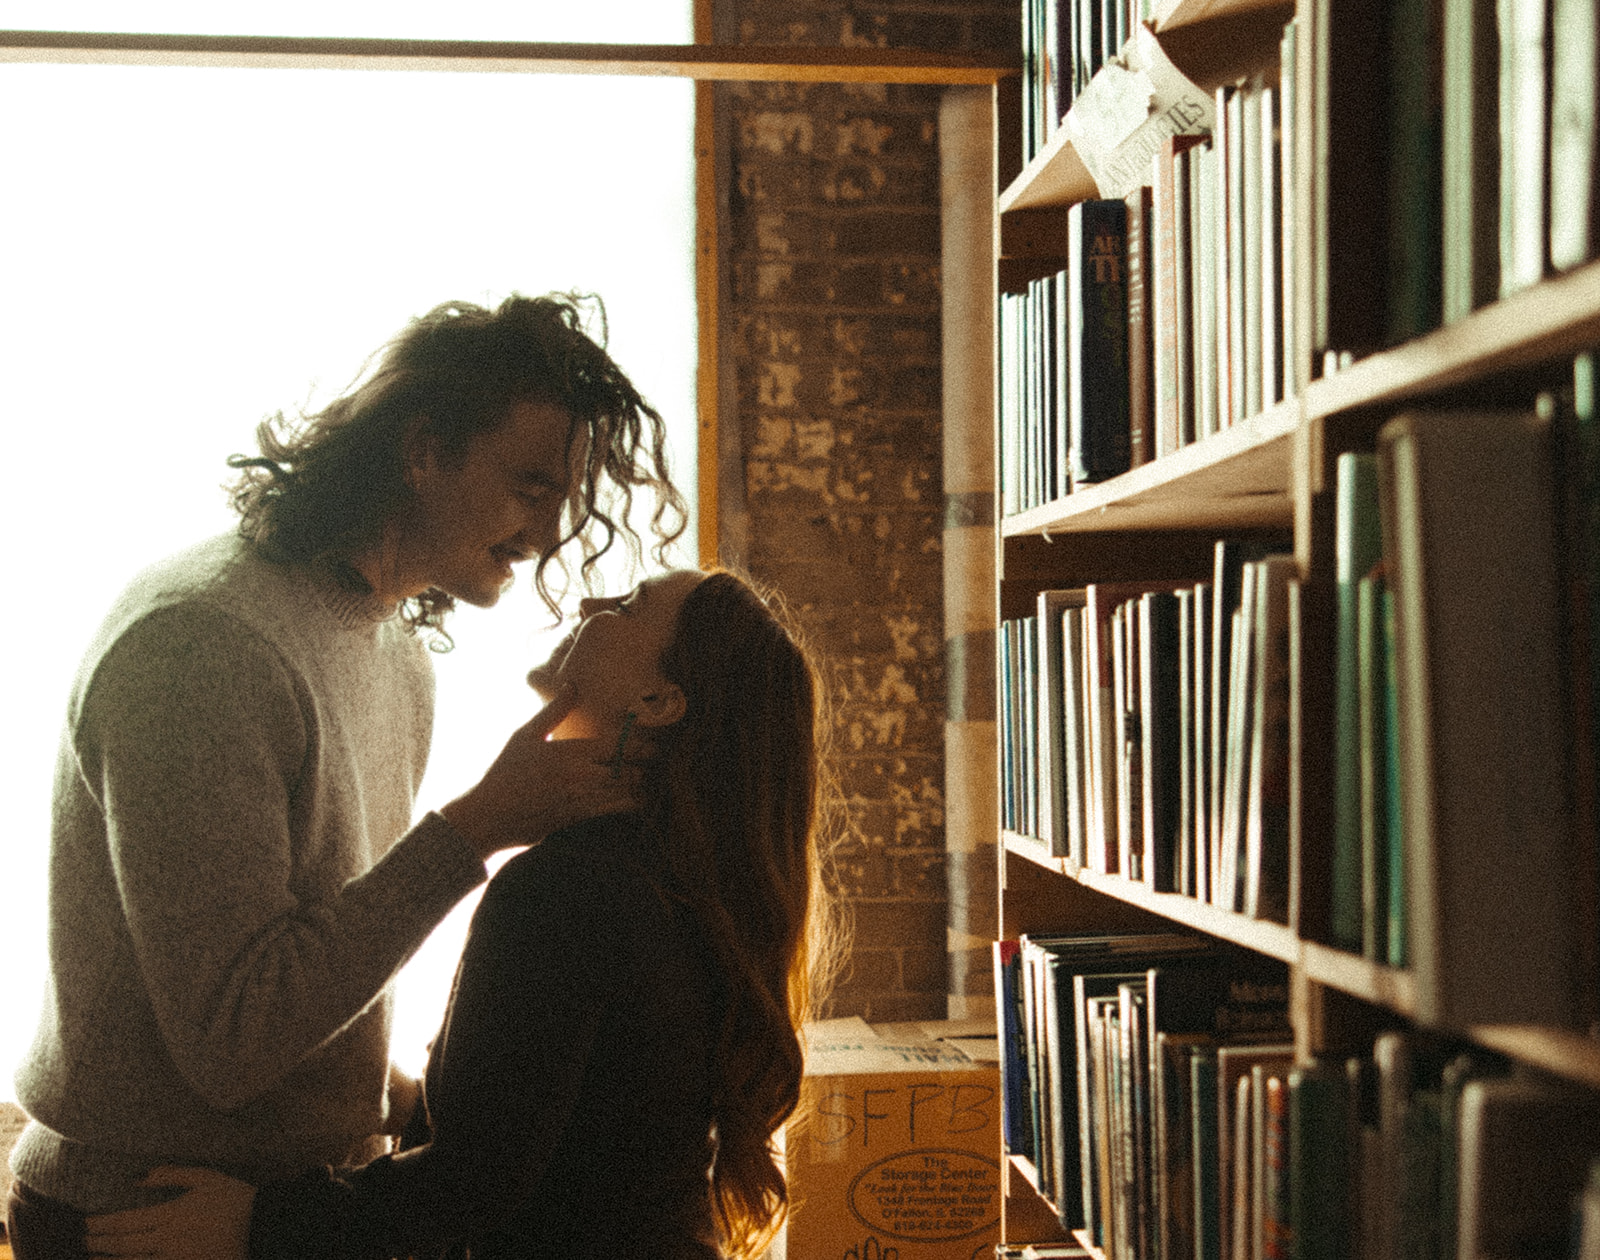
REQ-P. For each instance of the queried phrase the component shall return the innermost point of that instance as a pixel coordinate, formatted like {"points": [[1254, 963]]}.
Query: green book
{"points": [[1397, 953], [1415, 110], [1319, 1164], [1471, 158], [1358, 544], [1207, 1188], [1371, 705]]}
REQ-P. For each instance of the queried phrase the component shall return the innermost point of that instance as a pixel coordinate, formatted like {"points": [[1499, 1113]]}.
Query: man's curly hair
{"points": [[326, 484]]}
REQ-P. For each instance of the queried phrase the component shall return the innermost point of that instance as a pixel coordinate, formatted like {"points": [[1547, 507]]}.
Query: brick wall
{"points": [[830, 328]]}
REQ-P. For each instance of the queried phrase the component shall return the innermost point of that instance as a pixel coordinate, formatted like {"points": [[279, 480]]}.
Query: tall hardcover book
{"points": [[1173, 382], [1161, 709], [1319, 1163], [1416, 110], [1526, 1149], [1574, 132], [1358, 545], [1470, 162], [1142, 445], [1060, 766], [1524, 142], [1097, 305], [1469, 541], [1350, 122], [1267, 816]]}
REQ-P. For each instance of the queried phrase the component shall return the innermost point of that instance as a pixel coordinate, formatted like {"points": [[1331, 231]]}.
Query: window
{"points": [[190, 249]]}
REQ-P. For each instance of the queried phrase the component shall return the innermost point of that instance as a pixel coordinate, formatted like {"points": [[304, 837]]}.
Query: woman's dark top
{"points": [[568, 1090]]}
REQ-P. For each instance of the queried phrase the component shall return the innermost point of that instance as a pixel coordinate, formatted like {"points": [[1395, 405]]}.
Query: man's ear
{"points": [[663, 705]]}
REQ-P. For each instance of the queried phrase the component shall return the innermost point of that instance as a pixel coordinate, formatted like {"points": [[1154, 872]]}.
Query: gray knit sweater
{"points": [[228, 902]]}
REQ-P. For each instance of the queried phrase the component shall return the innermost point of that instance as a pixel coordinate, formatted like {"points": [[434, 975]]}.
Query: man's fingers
{"points": [[550, 717]]}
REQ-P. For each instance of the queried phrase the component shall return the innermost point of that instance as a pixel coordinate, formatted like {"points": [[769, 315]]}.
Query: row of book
{"points": [[1088, 1030], [1145, 729], [1173, 317], [1150, 729], [1153, 1095], [1464, 730], [1460, 166], [1423, 1147], [1064, 44]]}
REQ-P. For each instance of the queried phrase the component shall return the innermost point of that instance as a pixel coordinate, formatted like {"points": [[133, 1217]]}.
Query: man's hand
{"points": [[538, 785], [211, 1221]]}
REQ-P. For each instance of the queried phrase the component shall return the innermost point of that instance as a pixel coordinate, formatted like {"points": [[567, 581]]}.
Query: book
{"points": [[1574, 135], [1266, 894], [1467, 501], [1142, 318], [1059, 766], [1349, 216], [1470, 158], [1098, 352], [1319, 1218], [1016, 1115], [1234, 1154], [1526, 1150], [1372, 746], [1203, 288], [1173, 1105], [1160, 708], [1290, 126], [1206, 1140], [1229, 870], [1414, 158], [1173, 381], [1358, 546], [1523, 27]]}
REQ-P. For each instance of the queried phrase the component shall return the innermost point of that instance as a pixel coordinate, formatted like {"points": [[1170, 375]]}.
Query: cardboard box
{"points": [[897, 1156]]}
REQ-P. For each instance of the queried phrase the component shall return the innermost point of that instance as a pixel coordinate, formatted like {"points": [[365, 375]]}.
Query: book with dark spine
{"points": [[1142, 446], [1098, 353]]}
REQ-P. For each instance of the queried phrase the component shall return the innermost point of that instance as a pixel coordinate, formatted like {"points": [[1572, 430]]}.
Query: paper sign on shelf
{"points": [[1130, 107]]}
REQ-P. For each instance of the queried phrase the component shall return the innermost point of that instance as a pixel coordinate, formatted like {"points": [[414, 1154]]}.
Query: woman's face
{"points": [[612, 660]]}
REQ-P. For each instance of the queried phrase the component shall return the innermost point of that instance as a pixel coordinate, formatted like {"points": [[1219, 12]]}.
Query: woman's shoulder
{"points": [[606, 854]]}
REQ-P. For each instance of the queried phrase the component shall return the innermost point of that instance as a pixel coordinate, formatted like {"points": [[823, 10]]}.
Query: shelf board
{"points": [[1556, 1050], [1056, 177], [1083, 1238], [1272, 939], [788, 63], [1361, 977], [1239, 478], [1555, 319]]}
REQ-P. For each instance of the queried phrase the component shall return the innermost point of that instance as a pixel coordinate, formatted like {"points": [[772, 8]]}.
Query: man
{"points": [[234, 877]]}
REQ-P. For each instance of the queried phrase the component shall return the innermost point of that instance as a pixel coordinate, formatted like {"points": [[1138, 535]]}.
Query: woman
{"points": [[622, 1041]]}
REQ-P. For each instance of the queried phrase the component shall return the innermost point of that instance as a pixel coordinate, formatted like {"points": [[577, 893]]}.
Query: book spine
{"points": [[1142, 434], [1574, 132], [1098, 368]]}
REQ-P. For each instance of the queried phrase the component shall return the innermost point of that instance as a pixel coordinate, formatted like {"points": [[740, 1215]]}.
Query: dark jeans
{"points": [[42, 1228]]}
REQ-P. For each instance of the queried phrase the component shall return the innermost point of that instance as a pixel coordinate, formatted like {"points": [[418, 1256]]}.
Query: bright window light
{"points": [[189, 250]]}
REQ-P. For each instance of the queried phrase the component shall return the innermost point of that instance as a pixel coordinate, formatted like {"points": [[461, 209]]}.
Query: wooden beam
{"points": [[791, 63]]}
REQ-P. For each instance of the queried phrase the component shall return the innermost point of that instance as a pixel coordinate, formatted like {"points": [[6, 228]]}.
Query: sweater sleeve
{"points": [[191, 738], [506, 1072]]}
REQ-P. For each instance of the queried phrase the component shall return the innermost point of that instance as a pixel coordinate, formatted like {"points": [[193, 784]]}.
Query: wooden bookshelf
{"points": [[1274, 473], [738, 62], [1239, 478]]}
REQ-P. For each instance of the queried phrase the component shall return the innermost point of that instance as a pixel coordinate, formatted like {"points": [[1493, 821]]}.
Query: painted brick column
{"points": [[831, 342]]}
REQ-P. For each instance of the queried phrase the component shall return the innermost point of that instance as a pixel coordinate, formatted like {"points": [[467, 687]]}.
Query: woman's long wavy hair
{"points": [[325, 485], [748, 813]]}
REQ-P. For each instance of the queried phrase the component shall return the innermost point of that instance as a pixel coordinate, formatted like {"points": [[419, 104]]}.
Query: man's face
{"points": [[497, 506]]}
